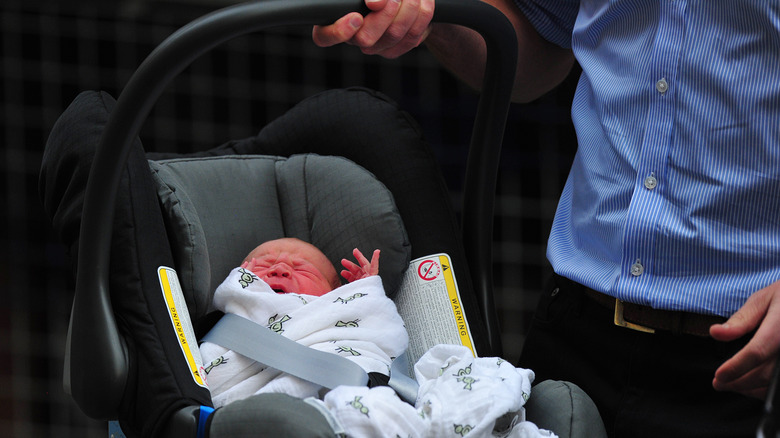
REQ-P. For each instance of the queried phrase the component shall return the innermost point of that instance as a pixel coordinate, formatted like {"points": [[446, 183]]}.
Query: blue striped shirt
{"points": [[673, 199]]}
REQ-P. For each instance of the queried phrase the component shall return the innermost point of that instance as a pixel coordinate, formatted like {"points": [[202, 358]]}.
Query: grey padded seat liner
{"points": [[218, 209]]}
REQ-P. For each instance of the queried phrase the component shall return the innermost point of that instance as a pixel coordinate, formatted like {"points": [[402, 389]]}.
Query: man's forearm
{"points": [[541, 65]]}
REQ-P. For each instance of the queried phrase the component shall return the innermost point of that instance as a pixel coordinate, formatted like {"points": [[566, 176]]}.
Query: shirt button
{"points": [[651, 182], [662, 86], [637, 269]]}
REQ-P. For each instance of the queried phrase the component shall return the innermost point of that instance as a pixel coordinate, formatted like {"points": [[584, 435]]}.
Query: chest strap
{"points": [[325, 369]]}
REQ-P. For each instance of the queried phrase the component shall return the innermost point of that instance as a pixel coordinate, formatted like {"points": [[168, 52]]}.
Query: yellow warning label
{"points": [[457, 309], [430, 304], [177, 309]]}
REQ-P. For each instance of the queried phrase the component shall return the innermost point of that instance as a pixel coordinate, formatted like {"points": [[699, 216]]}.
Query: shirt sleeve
{"points": [[554, 20]]}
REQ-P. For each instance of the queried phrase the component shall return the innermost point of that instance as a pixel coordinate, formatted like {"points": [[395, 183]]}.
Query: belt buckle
{"points": [[620, 321]]}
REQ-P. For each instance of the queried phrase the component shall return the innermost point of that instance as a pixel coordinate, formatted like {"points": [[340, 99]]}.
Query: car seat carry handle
{"points": [[769, 425], [97, 384]]}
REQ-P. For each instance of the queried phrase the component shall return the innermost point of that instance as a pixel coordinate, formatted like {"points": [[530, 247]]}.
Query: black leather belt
{"points": [[648, 319]]}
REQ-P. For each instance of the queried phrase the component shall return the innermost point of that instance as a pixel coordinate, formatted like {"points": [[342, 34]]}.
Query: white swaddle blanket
{"points": [[459, 395], [356, 321]]}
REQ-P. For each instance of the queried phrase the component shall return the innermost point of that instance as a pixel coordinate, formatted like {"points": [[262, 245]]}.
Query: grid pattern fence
{"points": [[52, 50]]}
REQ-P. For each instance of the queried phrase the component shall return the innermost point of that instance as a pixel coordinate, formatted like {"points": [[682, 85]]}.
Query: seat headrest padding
{"points": [[217, 209]]}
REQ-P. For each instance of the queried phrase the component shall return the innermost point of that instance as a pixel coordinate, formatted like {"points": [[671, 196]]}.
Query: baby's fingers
{"points": [[375, 262], [347, 275], [352, 271], [249, 264], [350, 265], [362, 260], [372, 267]]}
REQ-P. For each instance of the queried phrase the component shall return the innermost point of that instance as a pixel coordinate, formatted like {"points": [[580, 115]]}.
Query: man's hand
{"points": [[365, 269], [392, 28], [750, 370]]}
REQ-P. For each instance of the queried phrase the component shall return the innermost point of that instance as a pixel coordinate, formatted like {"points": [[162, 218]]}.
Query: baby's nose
{"points": [[279, 270]]}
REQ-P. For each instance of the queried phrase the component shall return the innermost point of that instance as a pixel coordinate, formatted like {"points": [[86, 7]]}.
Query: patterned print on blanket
{"points": [[350, 298], [246, 278], [464, 377], [276, 325]]}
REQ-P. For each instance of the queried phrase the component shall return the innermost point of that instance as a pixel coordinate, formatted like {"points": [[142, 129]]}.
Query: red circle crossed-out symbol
{"points": [[428, 270]]}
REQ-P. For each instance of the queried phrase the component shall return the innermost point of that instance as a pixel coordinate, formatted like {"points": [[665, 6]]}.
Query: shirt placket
{"points": [[647, 205]]}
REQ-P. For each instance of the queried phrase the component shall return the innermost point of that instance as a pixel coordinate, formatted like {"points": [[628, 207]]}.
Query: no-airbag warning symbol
{"points": [[429, 270]]}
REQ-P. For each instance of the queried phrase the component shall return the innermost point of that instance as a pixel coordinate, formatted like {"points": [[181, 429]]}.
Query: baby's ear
{"points": [[335, 282]]}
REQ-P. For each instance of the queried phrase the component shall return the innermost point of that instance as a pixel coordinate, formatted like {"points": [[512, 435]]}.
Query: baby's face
{"points": [[291, 265]]}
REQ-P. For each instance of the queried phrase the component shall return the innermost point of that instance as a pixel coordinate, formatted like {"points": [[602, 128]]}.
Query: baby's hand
{"points": [[365, 269], [249, 264]]}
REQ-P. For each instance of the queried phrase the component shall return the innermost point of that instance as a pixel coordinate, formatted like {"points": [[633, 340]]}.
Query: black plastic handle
{"points": [[97, 385], [769, 427]]}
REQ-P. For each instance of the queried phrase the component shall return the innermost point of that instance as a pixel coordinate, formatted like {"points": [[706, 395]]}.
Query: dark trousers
{"points": [[644, 385]]}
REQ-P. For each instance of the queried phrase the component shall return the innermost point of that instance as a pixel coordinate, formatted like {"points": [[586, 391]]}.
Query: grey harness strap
{"points": [[405, 386], [325, 369], [257, 342]]}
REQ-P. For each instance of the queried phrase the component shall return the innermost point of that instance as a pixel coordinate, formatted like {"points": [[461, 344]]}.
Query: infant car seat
{"points": [[126, 216], [202, 213]]}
